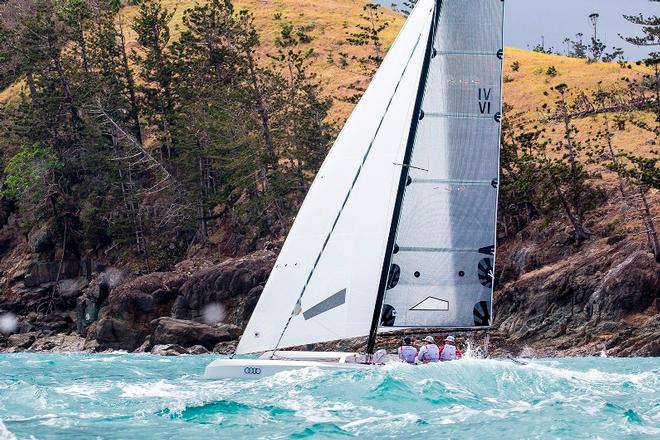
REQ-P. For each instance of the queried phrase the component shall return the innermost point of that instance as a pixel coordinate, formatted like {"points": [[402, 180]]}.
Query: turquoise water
{"points": [[122, 396]]}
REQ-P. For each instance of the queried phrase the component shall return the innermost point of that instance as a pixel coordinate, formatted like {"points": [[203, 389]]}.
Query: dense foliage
{"points": [[137, 147]]}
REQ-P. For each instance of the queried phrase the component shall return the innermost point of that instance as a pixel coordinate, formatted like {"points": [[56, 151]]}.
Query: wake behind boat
{"points": [[398, 229]]}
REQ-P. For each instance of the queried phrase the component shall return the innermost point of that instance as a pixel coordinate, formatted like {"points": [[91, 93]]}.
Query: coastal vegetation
{"points": [[139, 134]]}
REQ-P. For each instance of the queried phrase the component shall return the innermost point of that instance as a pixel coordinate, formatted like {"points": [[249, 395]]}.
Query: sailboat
{"points": [[398, 230]]}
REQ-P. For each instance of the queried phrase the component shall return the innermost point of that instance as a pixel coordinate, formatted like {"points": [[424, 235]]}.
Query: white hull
{"points": [[258, 368]]}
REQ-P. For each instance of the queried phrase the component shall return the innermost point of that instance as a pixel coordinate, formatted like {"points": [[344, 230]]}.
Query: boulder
{"points": [[168, 350], [60, 343], [89, 304], [72, 288], [225, 347], [22, 340], [54, 322], [198, 349], [124, 322], [188, 333], [229, 280], [145, 347], [41, 272], [41, 240], [119, 334]]}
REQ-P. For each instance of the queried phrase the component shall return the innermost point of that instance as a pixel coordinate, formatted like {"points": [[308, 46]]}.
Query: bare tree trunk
{"points": [[130, 87], [649, 223], [33, 89], [580, 234], [608, 137], [263, 112]]}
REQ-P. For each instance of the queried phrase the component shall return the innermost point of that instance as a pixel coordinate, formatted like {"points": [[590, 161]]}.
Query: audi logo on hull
{"points": [[252, 370]]}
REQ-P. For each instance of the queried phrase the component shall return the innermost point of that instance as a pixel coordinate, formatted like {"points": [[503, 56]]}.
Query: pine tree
{"points": [[565, 171], [156, 69]]}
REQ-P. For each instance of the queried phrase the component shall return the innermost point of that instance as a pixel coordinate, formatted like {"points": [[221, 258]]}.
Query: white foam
{"points": [[156, 389], [382, 423], [80, 390], [5, 434]]}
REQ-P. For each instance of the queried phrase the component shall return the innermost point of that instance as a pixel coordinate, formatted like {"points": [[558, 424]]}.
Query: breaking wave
{"points": [[129, 396]]}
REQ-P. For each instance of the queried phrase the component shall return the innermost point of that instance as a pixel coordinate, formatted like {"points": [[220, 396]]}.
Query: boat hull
{"points": [[258, 368]]}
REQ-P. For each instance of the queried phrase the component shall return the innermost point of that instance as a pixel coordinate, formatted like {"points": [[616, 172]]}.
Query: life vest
{"points": [[449, 353], [429, 353], [407, 353]]}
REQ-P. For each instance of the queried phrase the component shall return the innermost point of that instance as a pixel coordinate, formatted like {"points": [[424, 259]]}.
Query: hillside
{"points": [[94, 291]]}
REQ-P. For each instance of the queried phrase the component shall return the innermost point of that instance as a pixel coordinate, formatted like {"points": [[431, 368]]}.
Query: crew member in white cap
{"points": [[429, 352], [449, 351]]}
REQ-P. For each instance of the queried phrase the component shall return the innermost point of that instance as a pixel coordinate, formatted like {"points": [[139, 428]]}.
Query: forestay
{"points": [[324, 283], [442, 262]]}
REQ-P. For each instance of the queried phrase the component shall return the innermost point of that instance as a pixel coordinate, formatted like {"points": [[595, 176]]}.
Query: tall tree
{"points": [[156, 69]]}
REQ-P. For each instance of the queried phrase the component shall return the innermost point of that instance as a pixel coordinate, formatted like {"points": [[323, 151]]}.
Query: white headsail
{"points": [[324, 284]]}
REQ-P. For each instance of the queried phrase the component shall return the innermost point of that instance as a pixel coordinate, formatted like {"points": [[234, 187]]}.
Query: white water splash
{"points": [[5, 434], [213, 313], [112, 277], [8, 323]]}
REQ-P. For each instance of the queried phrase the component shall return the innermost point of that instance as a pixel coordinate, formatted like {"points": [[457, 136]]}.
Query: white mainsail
{"points": [[442, 264], [324, 284], [402, 214]]}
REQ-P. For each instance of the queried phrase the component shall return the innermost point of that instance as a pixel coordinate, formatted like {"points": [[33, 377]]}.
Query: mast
{"points": [[416, 116]]}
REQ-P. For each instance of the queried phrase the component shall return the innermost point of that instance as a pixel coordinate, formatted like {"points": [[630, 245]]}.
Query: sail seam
{"points": [[459, 115], [455, 182], [364, 159], [436, 250], [467, 53]]}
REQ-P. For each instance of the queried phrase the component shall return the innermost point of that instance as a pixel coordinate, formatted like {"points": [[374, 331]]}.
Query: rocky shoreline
{"points": [[551, 299]]}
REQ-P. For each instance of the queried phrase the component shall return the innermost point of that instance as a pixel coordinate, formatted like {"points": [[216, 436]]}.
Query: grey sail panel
{"points": [[442, 263]]}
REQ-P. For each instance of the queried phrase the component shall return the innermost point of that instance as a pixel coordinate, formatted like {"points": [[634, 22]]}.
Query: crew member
{"points": [[449, 351], [429, 352], [407, 353]]}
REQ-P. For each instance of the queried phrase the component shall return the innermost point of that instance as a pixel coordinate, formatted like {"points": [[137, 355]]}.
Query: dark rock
{"points": [[198, 349], [119, 333], [168, 350], [250, 302], [225, 348], [124, 322], [89, 304], [22, 340], [60, 343], [54, 322], [72, 288], [39, 272], [234, 278], [41, 240], [145, 347], [575, 302], [188, 333]]}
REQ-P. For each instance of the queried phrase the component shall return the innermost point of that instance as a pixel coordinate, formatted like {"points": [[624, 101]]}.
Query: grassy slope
{"points": [[526, 92], [332, 19]]}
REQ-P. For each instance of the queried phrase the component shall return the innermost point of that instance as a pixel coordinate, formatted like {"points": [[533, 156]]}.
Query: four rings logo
{"points": [[252, 370]]}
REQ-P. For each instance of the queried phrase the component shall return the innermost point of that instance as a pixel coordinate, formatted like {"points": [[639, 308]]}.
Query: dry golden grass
{"points": [[330, 20], [525, 92]]}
